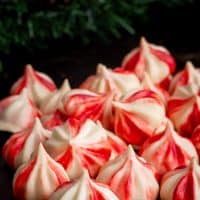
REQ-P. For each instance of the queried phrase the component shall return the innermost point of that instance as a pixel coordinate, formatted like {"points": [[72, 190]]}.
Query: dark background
{"points": [[176, 28]]}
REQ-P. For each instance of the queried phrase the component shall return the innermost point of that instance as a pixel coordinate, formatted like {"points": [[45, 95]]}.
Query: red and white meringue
{"points": [[130, 177], [182, 184], [38, 179], [155, 60], [139, 116], [196, 139], [189, 75], [118, 81], [38, 84], [84, 104], [57, 118], [81, 148], [168, 150], [147, 83], [53, 101], [83, 188], [22, 145], [184, 109], [17, 112]]}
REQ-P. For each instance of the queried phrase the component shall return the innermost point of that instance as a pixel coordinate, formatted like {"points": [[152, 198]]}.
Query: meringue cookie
{"points": [[22, 145], [130, 177], [156, 61], [83, 104], [181, 184], [17, 112], [184, 110], [53, 101], [118, 81], [168, 150], [139, 116], [81, 148], [38, 84], [83, 188], [189, 75], [37, 179]]}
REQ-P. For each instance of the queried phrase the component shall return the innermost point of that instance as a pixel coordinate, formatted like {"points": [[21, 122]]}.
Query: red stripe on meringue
{"points": [[48, 84], [13, 146], [185, 188], [132, 61], [66, 158], [20, 182], [165, 57]]}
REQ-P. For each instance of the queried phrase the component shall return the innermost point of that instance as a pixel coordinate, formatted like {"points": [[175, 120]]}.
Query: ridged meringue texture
{"points": [[196, 139], [84, 104], [83, 188], [130, 177], [17, 112], [189, 75], [156, 61], [38, 179], [182, 184], [184, 109], [22, 145], [88, 147], [53, 101], [168, 150], [38, 84], [139, 116], [57, 118], [118, 81]]}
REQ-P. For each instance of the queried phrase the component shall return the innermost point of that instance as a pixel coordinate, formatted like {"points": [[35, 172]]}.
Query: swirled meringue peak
{"points": [[17, 112], [184, 109], [22, 145], [87, 147], [118, 81], [188, 76], [139, 116], [83, 104], [38, 84], [38, 179], [53, 101], [152, 59], [168, 150], [182, 184], [83, 188], [130, 177]]}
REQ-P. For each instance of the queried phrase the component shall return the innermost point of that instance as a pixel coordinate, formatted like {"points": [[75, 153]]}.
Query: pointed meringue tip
{"points": [[130, 150], [28, 67], [143, 41], [189, 65], [66, 85], [37, 122], [101, 68], [85, 174]]}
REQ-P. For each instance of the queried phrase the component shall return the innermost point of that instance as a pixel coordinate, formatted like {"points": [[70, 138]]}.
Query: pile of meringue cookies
{"points": [[128, 133]]}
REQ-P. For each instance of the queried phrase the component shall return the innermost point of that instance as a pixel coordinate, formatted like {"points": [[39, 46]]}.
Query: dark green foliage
{"points": [[32, 24]]}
